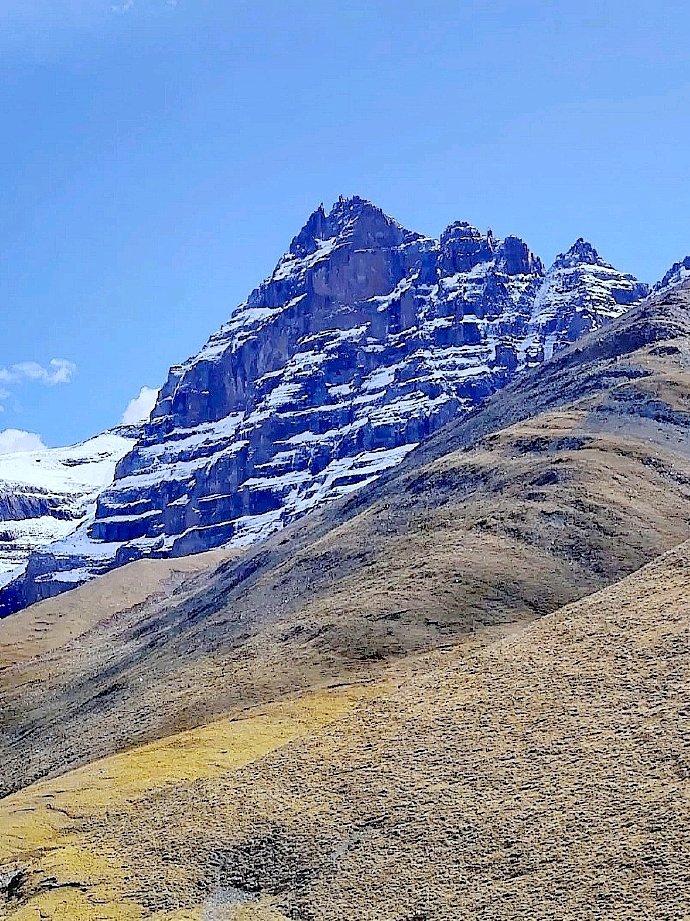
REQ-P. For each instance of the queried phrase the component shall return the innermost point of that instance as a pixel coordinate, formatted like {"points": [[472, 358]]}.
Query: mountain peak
{"points": [[349, 206], [365, 339], [463, 229], [463, 246], [315, 229], [678, 275], [352, 218], [517, 258], [580, 253]]}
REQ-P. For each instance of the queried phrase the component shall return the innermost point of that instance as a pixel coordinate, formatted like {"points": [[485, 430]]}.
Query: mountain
{"points": [[366, 339], [531, 502], [580, 292], [45, 495], [542, 776], [677, 276], [452, 693]]}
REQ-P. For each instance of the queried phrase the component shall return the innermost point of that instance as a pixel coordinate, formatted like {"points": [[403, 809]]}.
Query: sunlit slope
{"points": [[545, 776], [560, 485], [54, 623], [56, 857]]}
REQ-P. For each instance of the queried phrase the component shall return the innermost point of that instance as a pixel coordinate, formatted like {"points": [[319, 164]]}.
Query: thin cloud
{"points": [[128, 5], [139, 409], [58, 371]]}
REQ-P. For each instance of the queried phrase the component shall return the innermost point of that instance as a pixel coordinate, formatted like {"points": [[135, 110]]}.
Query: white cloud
{"points": [[139, 409], [126, 5], [59, 371], [13, 440]]}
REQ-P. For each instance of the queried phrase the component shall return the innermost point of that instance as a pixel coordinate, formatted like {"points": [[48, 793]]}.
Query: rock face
{"points": [[366, 338], [580, 293], [677, 276], [45, 495]]}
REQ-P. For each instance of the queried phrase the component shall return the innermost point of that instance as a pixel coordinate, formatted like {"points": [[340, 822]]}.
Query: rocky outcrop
{"points": [[366, 338]]}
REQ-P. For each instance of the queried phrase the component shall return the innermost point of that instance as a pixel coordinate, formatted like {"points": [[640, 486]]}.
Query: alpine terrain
{"points": [[457, 691], [392, 615], [45, 495], [366, 339]]}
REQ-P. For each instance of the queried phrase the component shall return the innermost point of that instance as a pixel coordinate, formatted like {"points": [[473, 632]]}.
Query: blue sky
{"points": [[157, 158]]}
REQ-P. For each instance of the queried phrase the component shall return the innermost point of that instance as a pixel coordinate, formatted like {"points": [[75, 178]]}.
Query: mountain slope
{"points": [[542, 776], [533, 501], [366, 338], [45, 495]]}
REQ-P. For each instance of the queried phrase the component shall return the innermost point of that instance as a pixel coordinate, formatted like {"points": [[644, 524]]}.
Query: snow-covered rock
{"points": [[580, 292], [366, 338], [46, 494], [677, 276]]}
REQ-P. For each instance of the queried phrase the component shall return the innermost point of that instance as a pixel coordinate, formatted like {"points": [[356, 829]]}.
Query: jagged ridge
{"points": [[366, 338]]}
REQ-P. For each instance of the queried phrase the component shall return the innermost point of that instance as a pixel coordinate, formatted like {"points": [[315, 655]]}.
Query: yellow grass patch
{"points": [[45, 828]]}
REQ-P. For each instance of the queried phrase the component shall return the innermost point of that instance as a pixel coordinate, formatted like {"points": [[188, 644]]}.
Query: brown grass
{"points": [[543, 776], [524, 520], [54, 623]]}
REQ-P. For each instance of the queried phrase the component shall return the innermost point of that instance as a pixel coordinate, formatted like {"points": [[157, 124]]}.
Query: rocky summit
{"points": [[366, 338], [677, 276]]}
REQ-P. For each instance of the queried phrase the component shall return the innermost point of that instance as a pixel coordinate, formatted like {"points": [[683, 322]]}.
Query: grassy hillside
{"points": [[55, 623], [564, 482], [544, 775], [56, 855]]}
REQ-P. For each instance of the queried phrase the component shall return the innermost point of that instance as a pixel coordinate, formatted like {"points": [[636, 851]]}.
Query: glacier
{"points": [[45, 495]]}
